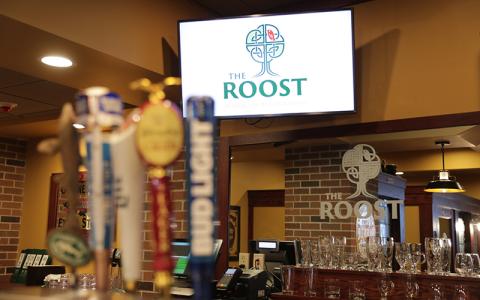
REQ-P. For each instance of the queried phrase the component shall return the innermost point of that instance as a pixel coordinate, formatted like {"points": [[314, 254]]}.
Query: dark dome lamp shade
{"points": [[444, 183]]}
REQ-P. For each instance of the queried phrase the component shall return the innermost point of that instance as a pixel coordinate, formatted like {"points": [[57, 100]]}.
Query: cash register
{"points": [[238, 284], [277, 253]]}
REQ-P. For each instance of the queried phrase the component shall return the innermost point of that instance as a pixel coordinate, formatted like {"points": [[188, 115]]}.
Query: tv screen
{"points": [[270, 65]]}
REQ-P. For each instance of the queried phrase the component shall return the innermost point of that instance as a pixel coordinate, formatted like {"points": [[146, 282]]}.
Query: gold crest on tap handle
{"points": [[155, 90]]}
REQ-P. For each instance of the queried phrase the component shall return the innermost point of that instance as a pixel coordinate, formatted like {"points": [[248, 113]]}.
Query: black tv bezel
{"points": [[326, 113]]}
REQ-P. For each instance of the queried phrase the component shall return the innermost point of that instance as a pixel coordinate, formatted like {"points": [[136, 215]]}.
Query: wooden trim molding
{"points": [[223, 203], [418, 123], [53, 202]]}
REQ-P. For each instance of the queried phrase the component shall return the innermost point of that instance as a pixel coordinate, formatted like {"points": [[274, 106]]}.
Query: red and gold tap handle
{"points": [[159, 140], [161, 212]]}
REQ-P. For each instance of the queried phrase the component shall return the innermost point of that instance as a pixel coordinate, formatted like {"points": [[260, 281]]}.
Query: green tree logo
{"points": [[265, 44]]}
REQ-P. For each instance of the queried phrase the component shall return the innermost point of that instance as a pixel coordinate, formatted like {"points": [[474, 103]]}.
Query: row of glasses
{"points": [[329, 288], [64, 281], [372, 253], [467, 264], [325, 252], [312, 284]]}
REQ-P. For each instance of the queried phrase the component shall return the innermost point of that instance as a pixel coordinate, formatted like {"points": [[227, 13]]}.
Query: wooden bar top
{"points": [[22, 292], [450, 287]]}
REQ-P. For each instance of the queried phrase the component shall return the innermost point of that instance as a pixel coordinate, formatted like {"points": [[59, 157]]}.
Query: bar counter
{"points": [[22, 292], [450, 286]]}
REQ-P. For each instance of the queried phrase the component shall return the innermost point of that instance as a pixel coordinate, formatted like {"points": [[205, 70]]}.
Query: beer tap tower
{"points": [[159, 140]]}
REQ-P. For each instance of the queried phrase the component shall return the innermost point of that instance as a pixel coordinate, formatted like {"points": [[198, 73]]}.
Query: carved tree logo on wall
{"points": [[361, 164], [265, 44]]}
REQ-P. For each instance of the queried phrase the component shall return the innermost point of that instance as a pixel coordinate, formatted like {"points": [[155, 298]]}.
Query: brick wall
{"points": [[180, 225], [12, 180], [310, 174]]}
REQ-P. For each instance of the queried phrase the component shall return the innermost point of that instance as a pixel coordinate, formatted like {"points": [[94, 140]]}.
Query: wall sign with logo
{"points": [[360, 164], [270, 65], [58, 206]]}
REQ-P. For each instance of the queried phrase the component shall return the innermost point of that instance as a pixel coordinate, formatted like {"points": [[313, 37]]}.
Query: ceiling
{"points": [[40, 90], [35, 97], [248, 7]]}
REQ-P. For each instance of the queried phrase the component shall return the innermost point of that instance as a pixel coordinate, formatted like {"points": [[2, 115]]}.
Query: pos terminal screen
{"points": [[180, 255]]}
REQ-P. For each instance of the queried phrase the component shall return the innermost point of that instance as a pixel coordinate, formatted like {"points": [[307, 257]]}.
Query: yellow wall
{"points": [[455, 159], [253, 176], [412, 224], [269, 223], [471, 185], [33, 229], [414, 58]]}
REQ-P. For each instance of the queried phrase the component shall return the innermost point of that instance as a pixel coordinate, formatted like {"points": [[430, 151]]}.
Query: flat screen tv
{"points": [[256, 66]]}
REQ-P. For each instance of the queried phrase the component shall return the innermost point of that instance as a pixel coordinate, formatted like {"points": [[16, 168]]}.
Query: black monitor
{"points": [[181, 256], [277, 253]]}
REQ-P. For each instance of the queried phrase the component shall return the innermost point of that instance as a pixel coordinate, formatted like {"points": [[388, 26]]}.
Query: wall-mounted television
{"points": [[255, 66]]}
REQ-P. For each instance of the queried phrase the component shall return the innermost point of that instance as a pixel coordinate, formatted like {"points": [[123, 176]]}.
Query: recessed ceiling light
{"points": [[57, 61], [78, 126], [399, 173]]}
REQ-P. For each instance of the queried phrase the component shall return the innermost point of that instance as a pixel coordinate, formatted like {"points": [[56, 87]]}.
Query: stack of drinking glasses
{"points": [[338, 244], [306, 249], [362, 254], [402, 256], [409, 256], [374, 250], [438, 253], [417, 257], [387, 248], [378, 252], [324, 255], [86, 281]]}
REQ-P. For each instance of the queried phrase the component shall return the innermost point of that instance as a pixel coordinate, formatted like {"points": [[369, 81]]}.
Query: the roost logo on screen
{"points": [[264, 44]]}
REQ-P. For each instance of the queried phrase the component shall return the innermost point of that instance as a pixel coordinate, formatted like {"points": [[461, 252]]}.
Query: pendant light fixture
{"points": [[444, 183]]}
